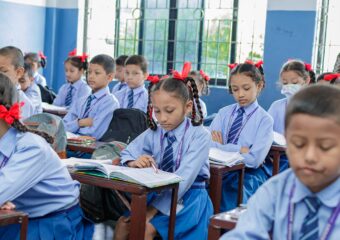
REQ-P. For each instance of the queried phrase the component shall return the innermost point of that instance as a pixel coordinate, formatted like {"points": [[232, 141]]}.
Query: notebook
{"points": [[221, 157], [104, 168], [50, 107]]}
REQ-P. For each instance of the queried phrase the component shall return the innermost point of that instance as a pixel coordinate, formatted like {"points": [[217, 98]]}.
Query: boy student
{"points": [[135, 95], [119, 75], [12, 65], [91, 115], [302, 202], [30, 88]]}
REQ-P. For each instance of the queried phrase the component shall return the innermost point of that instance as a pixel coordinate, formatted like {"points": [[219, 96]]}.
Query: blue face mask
{"points": [[290, 89]]}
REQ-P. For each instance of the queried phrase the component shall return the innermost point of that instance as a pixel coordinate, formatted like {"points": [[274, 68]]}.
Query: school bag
{"points": [[126, 124], [47, 95]]}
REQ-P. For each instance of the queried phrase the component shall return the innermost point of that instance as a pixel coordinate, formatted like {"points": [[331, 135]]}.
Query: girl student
{"points": [[34, 180], [329, 78], [177, 144], [76, 87], [37, 60], [243, 127]]}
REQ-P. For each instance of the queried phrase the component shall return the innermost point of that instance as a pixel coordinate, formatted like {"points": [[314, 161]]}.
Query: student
{"points": [[76, 87], [329, 78], [37, 60], [31, 89], [34, 180], [119, 75], [135, 95], [178, 145], [12, 64], [243, 127], [91, 115], [201, 80], [302, 202]]}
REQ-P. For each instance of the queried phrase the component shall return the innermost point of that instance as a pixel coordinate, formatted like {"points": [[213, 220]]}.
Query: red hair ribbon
{"points": [[204, 75], [185, 72], [308, 67], [73, 53], [12, 114], [232, 65], [41, 55], [153, 79], [83, 57], [330, 77], [257, 65]]}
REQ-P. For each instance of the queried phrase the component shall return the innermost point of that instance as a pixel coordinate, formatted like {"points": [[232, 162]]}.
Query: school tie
{"points": [[168, 156], [120, 86], [130, 99], [68, 99], [88, 105], [310, 229], [235, 127]]}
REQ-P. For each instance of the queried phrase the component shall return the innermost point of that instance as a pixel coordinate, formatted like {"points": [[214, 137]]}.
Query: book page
{"points": [[218, 155], [51, 107], [279, 139]]}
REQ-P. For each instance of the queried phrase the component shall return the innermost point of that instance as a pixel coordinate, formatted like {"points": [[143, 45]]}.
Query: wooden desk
{"points": [[138, 201], [276, 151], [216, 176], [13, 217], [218, 222], [83, 147]]}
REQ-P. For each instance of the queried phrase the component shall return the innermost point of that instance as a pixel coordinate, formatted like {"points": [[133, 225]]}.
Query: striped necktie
{"points": [[120, 86], [88, 105], [236, 126], [168, 164], [130, 99], [68, 99], [310, 229]]}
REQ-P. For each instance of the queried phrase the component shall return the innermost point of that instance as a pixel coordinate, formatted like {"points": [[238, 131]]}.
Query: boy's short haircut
{"points": [[120, 61], [16, 55], [105, 61], [28, 70], [139, 61]]}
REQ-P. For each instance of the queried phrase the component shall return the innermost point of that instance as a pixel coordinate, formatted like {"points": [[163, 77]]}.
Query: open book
{"points": [[79, 139], [279, 139], [50, 107], [103, 168], [221, 157]]}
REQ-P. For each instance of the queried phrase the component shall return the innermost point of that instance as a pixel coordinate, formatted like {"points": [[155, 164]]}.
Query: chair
{"points": [[13, 217]]}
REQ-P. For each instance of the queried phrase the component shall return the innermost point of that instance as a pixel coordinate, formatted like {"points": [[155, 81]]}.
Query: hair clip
{"points": [[308, 67], [204, 75], [185, 72], [232, 65], [12, 114], [330, 77], [41, 55], [153, 79]]}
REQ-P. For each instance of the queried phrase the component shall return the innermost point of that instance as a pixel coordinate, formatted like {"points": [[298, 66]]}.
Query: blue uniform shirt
{"points": [[40, 79], [34, 94], [257, 132], [101, 112], [140, 98], [278, 111], [27, 109], [81, 89], [194, 159], [268, 209], [121, 85], [34, 178]]}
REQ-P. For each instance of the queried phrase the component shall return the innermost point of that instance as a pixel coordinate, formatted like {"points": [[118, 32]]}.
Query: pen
{"points": [[154, 167]]}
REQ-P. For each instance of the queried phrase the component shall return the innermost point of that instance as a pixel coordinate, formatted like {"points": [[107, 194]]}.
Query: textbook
{"points": [[49, 107], [224, 158], [79, 139], [104, 168]]}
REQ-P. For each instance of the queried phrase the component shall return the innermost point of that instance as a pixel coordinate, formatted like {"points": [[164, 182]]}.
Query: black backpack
{"points": [[126, 124], [47, 95]]}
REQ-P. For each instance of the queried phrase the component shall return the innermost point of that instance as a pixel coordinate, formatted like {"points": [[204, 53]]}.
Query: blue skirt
{"points": [[253, 179], [67, 225], [192, 221]]}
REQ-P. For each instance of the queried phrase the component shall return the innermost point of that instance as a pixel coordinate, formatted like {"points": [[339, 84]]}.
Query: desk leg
{"points": [[172, 221], [240, 186], [216, 191], [138, 217], [23, 228], [276, 162], [214, 232]]}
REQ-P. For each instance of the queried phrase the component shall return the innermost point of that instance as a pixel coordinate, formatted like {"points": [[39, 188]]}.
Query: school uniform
{"points": [[268, 210], [256, 133], [34, 94], [69, 93], [27, 109], [190, 161], [40, 79], [100, 109], [118, 86], [35, 180], [139, 99]]}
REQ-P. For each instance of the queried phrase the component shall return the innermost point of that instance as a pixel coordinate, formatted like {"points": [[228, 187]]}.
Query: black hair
{"points": [[318, 100], [299, 68], [8, 96], [139, 61], [28, 70], [34, 57], [183, 90], [196, 75], [105, 61], [120, 61], [15, 54], [76, 61], [250, 70]]}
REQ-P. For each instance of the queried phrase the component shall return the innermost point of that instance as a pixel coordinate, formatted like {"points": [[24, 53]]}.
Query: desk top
{"points": [[84, 147], [5, 214], [279, 148]]}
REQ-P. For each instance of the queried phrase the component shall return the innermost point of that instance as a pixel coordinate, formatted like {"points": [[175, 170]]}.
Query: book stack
{"points": [[220, 157]]}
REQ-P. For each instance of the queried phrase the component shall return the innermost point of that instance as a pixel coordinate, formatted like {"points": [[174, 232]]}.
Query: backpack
{"points": [[126, 124], [47, 95]]}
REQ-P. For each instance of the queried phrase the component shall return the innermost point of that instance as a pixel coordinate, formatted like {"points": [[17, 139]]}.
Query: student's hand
{"points": [[217, 136], [244, 150], [143, 161], [7, 206], [85, 122], [150, 213]]}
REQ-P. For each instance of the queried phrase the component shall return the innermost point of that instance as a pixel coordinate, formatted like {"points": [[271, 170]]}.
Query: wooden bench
{"points": [[14, 217]]}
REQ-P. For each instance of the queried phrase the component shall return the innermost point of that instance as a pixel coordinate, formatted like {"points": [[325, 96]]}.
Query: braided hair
{"points": [[8, 96]]}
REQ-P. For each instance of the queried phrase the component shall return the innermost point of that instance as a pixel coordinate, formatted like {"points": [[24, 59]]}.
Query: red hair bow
{"points": [[185, 72], [257, 65], [330, 77], [308, 67], [232, 65], [153, 79], [12, 114], [204, 75], [73, 53], [83, 57], [41, 55]]}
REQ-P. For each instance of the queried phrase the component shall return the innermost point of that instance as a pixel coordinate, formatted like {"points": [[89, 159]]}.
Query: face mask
{"points": [[290, 89]]}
